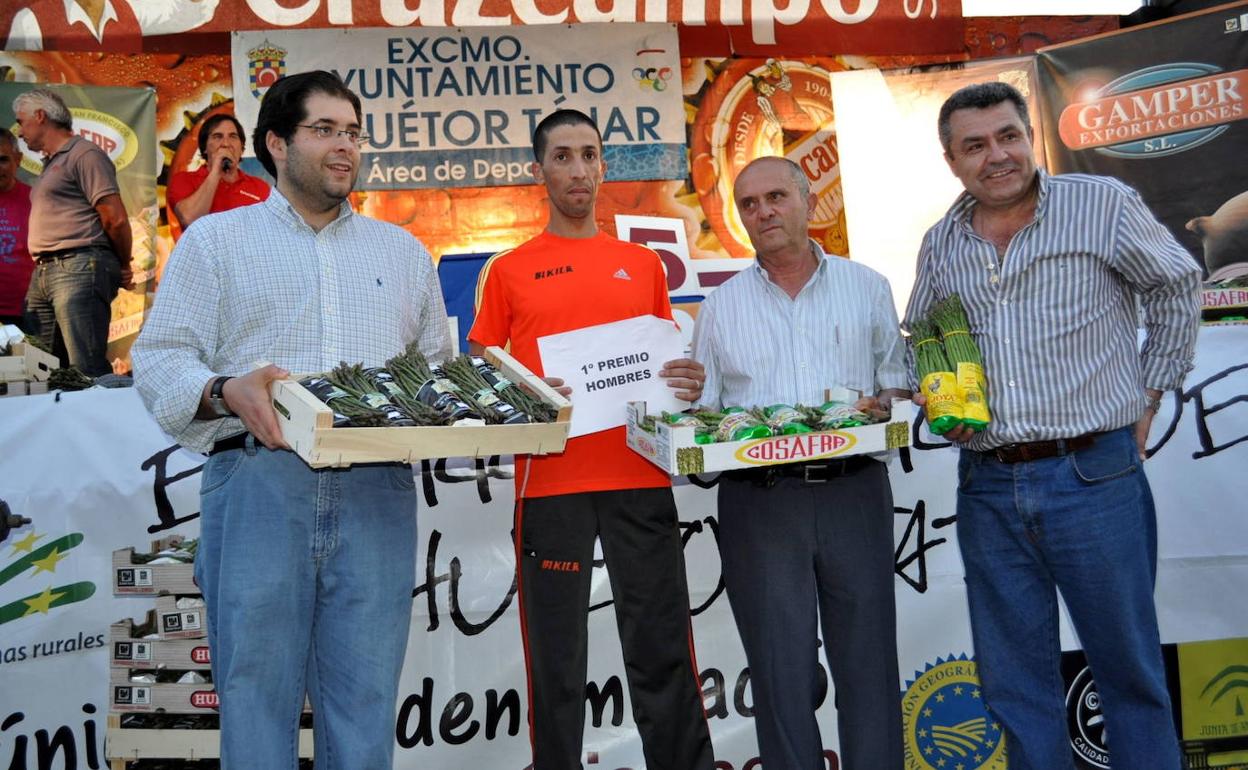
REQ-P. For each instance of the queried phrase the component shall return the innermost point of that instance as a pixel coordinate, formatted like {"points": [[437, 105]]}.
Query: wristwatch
{"points": [[1152, 404], [216, 397]]}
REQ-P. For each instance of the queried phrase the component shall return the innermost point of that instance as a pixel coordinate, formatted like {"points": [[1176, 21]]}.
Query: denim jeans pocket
{"points": [[109, 279], [1106, 460], [402, 477], [966, 470], [219, 469], [79, 264]]}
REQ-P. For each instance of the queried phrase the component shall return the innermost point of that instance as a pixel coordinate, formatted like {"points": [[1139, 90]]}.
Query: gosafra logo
{"points": [[1156, 111], [945, 722], [803, 446]]}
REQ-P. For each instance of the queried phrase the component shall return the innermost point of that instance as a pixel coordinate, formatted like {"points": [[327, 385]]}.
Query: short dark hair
{"points": [[206, 130], [285, 104], [6, 137], [978, 96], [541, 134]]}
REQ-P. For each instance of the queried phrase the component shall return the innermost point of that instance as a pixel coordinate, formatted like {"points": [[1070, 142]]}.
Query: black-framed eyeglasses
{"points": [[323, 131]]}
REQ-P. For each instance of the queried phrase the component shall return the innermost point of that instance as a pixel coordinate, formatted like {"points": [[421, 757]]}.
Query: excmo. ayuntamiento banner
{"points": [[457, 107]]}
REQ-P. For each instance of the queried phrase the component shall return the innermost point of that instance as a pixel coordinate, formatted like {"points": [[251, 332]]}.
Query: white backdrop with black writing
{"points": [[95, 474], [457, 107]]}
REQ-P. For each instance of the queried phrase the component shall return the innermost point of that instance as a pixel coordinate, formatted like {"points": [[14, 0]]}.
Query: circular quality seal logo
{"points": [[781, 107], [1085, 722], [945, 722]]}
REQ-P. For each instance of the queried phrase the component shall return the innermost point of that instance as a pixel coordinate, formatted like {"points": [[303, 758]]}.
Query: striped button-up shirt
{"points": [[761, 347], [1056, 317], [258, 284]]}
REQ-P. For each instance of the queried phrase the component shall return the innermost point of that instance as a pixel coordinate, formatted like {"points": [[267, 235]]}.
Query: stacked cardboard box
{"points": [[162, 704], [24, 372]]}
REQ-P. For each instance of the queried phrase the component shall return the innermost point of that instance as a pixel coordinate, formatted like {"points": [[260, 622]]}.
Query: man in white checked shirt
{"points": [[307, 574], [807, 544], [1052, 494]]}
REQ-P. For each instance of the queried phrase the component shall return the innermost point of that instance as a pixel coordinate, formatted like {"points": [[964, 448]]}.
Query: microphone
{"points": [[227, 164]]}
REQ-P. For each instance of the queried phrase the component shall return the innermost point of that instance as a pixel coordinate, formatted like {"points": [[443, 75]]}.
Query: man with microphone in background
{"points": [[219, 184]]}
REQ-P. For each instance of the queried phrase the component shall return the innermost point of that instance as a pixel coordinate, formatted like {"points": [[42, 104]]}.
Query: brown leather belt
{"points": [[1040, 450], [44, 257]]}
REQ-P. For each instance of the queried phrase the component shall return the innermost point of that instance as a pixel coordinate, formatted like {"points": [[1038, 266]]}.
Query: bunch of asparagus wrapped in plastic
{"points": [[410, 391]]}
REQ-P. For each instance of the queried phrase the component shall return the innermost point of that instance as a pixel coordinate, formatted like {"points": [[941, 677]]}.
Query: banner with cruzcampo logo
{"points": [[456, 107]]}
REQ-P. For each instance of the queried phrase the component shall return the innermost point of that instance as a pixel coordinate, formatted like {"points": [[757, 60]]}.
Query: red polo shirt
{"points": [[246, 191]]}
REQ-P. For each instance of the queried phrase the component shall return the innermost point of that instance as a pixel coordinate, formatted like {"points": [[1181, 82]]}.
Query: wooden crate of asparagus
{"points": [[167, 569], [705, 442], [410, 410], [125, 744], [26, 363]]}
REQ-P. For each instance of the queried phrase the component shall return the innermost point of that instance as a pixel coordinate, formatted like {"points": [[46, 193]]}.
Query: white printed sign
{"points": [[609, 365], [457, 107]]}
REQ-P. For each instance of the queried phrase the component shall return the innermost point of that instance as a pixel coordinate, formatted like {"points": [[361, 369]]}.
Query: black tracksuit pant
{"points": [[645, 562]]}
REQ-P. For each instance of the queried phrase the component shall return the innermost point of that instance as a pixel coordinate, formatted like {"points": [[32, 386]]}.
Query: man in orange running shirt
{"points": [[573, 276]]}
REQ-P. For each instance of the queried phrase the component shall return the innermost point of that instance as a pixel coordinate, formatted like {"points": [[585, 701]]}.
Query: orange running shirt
{"points": [[550, 285]]}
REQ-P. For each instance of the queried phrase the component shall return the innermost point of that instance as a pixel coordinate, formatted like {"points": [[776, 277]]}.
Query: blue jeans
{"points": [[68, 307], [1083, 524], [308, 578]]}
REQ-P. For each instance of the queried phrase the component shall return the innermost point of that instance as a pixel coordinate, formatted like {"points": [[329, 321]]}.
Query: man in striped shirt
{"points": [[819, 534], [1052, 494]]}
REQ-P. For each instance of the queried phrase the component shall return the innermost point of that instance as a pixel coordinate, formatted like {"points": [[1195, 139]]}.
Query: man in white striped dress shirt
{"points": [[1052, 494], [807, 546]]}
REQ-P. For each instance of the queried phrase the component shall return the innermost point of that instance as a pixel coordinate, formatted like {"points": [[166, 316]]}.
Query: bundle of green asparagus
{"points": [[409, 391], [964, 356], [937, 380]]}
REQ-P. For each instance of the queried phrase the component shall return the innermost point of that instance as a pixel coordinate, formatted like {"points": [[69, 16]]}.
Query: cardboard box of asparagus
{"points": [[702, 441], [21, 361], [412, 410]]}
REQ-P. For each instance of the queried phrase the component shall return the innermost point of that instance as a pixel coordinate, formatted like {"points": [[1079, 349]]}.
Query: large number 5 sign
{"points": [[687, 278]]}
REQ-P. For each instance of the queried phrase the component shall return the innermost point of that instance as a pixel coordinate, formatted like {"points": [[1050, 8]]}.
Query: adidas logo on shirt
{"points": [[622, 275]]}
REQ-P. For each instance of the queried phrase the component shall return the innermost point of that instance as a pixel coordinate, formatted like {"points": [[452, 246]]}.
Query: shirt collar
{"points": [[68, 143], [75, 15], [820, 270], [281, 208], [964, 206]]}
